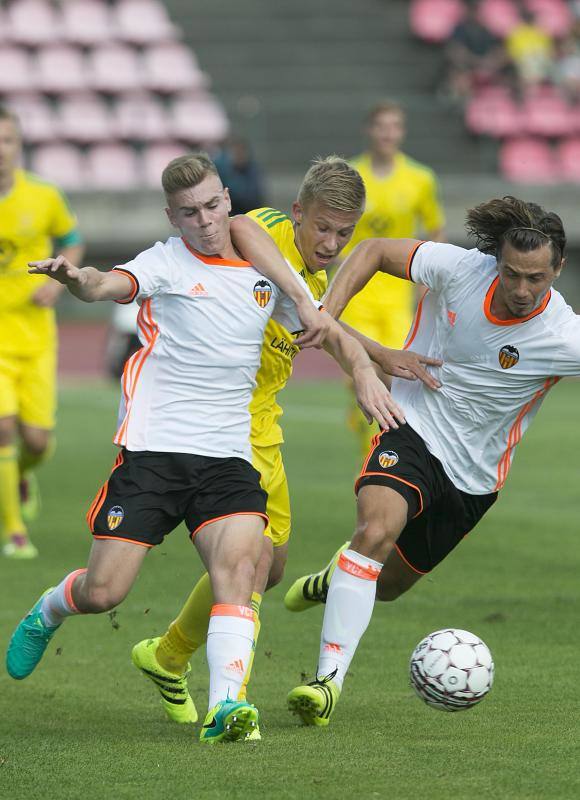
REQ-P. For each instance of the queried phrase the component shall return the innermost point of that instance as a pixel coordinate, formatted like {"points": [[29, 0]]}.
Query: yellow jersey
{"points": [[34, 217], [398, 206], [278, 351]]}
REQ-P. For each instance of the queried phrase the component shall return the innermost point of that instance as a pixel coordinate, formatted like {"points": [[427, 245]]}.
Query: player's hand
{"points": [[316, 324], [58, 268], [409, 365], [375, 400], [47, 295]]}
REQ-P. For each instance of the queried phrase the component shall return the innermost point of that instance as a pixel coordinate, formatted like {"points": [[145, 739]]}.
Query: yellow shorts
{"points": [[268, 462], [28, 388]]}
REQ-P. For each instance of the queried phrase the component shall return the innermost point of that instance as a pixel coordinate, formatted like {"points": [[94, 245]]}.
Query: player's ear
{"points": [[559, 269], [297, 212], [228, 199], [170, 217]]}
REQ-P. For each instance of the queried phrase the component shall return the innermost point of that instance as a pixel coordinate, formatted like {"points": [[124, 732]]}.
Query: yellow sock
{"points": [[10, 518], [256, 603], [188, 631]]}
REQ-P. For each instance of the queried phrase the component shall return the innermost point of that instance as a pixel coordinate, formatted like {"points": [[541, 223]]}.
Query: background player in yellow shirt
{"points": [[401, 201], [34, 220]]}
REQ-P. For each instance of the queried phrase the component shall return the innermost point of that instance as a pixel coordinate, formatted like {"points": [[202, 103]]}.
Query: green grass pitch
{"points": [[86, 724]]}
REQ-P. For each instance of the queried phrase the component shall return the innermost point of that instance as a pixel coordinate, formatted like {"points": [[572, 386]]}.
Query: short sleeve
{"points": [[567, 362], [63, 227], [430, 209], [435, 264], [150, 273], [285, 309]]}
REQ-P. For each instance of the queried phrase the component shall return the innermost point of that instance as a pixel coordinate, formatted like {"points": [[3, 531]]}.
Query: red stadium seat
{"points": [[172, 68], [528, 161], [493, 112], [16, 70], [61, 163], [36, 116], [568, 155], [435, 20], [143, 22], [85, 118], [142, 117], [156, 157], [113, 166], [198, 119], [554, 16], [500, 17], [546, 113], [86, 22], [115, 68], [61, 69], [33, 22]]}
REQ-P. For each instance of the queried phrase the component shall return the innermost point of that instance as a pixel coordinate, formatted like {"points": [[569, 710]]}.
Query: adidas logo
{"points": [[237, 666], [198, 291]]}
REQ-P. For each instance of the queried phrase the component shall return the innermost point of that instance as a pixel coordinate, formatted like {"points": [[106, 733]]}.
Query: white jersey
{"points": [[201, 324], [495, 373]]}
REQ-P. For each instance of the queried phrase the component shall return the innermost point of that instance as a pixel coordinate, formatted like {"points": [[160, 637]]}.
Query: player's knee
{"points": [[275, 576], [37, 444], [98, 599], [375, 539]]}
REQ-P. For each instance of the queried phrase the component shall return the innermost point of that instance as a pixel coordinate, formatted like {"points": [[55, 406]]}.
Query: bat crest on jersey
{"points": [[388, 458], [262, 293], [508, 356], [115, 516]]}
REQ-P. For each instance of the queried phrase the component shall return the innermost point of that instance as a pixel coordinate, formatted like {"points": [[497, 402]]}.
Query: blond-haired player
{"points": [[34, 219]]}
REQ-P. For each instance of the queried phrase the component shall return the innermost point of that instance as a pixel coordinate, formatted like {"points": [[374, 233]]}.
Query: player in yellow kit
{"points": [[401, 201], [34, 220]]}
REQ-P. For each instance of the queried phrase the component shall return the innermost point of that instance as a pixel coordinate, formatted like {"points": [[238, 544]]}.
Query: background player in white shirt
{"points": [[505, 337], [184, 428]]}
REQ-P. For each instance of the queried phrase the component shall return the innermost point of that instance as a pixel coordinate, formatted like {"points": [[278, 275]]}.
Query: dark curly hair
{"points": [[526, 226]]}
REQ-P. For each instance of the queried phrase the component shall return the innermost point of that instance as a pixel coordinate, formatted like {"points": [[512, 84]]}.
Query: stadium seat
{"points": [[528, 161], [86, 22], [143, 22], [142, 117], [546, 113], [32, 22], [198, 119], [36, 117], [493, 112], [172, 68], [113, 166], [498, 16], [156, 157], [61, 69], [115, 68], [85, 118], [61, 163], [568, 155], [16, 70], [435, 20], [554, 16]]}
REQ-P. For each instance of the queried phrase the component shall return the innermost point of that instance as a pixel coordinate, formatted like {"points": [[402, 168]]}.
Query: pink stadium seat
{"points": [[546, 113], [61, 163], [141, 116], [435, 20], [143, 22], [198, 119], [33, 22], [156, 157], [554, 16], [115, 68], [86, 22], [61, 69], [16, 70], [85, 118], [498, 16], [36, 117], [112, 166], [493, 112], [172, 68], [528, 161], [568, 154]]}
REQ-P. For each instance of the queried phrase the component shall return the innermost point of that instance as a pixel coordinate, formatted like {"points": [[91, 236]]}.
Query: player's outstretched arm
{"points": [[88, 283], [257, 247], [373, 397], [367, 258]]}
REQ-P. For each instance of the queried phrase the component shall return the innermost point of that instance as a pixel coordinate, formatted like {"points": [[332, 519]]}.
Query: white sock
{"points": [[349, 607], [58, 603], [230, 637]]}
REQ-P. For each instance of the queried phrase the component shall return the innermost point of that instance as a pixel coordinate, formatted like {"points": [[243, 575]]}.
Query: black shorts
{"points": [[439, 515], [148, 494]]}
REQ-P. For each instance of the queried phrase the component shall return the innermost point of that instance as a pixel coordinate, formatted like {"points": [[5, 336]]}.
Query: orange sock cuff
{"points": [[232, 610]]}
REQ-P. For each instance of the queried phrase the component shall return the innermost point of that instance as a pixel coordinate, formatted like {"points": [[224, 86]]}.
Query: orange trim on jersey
{"points": [[133, 280], [410, 261], [68, 588], [225, 516], [515, 433], [97, 503], [416, 322], [408, 563], [514, 320], [216, 261], [121, 539], [367, 573], [394, 478], [231, 610]]}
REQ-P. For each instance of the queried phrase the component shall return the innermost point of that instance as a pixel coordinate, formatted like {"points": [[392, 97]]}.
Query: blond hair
{"points": [[186, 171], [332, 182], [385, 107]]}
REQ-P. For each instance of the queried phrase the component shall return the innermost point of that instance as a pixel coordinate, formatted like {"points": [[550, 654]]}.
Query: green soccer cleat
{"points": [[19, 547], [230, 721], [314, 702], [311, 590], [28, 642], [29, 497], [175, 697]]}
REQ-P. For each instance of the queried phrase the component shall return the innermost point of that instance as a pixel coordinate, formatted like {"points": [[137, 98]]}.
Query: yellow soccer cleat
{"points": [[230, 721], [311, 590], [314, 702], [175, 697], [19, 546]]}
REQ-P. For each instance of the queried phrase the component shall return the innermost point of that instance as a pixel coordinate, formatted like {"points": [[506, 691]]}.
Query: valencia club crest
{"points": [[388, 458], [508, 356], [262, 293]]}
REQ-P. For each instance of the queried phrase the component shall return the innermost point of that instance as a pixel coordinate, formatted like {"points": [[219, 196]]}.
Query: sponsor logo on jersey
{"points": [[388, 458], [115, 516], [262, 293], [198, 290], [508, 356]]}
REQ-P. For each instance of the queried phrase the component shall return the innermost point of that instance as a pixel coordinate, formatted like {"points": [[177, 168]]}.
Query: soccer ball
{"points": [[451, 670]]}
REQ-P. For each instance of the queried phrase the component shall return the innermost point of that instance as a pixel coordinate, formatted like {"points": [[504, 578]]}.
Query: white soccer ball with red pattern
{"points": [[451, 669]]}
